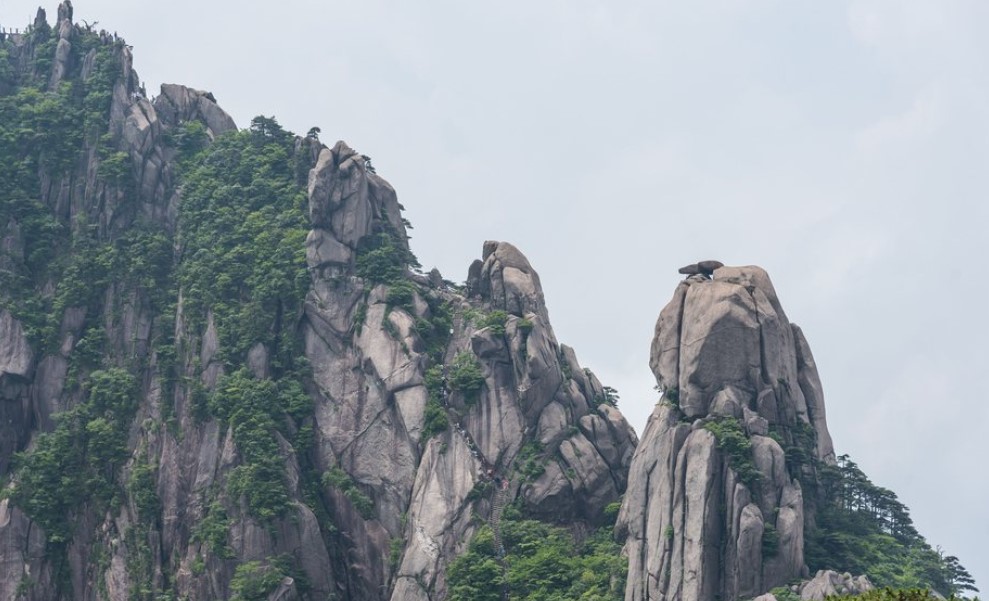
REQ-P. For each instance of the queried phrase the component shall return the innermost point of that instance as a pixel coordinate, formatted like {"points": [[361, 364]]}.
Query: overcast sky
{"points": [[843, 145]]}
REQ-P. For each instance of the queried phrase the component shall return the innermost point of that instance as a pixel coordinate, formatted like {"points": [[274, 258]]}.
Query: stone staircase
{"points": [[501, 498], [497, 508]]}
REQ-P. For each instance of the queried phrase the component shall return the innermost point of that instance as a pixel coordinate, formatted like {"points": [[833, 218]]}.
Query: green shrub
{"points": [[395, 549], [495, 321], [672, 395], [770, 541], [783, 593], [381, 258], [465, 376], [434, 420], [402, 295], [542, 562], [530, 461], [339, 479], [212, 531], [142, 489], [736, 445], [434, 330], [609, 396], [254, 581], [525, 326], [480, 490]]}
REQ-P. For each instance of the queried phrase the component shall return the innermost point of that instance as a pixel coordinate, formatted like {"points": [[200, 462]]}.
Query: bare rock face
{"points": [[16, 357], [702, 523], [373, 392], [508, 282], [178, 104]]}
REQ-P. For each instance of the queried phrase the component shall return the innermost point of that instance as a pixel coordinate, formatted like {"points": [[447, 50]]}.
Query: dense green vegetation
{"points": [[46, 133], [860, 527], [863, 529], [243, 225], [435, 419], [733, 441], [254, 580], [78, 461], [542, 562], [254, 410], [381, 258], [890, 594]]}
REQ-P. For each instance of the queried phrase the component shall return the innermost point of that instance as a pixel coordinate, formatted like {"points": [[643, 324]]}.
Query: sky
{"points": [[841, 145]]}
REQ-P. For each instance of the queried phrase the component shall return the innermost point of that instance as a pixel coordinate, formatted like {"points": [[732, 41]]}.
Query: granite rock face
{"points": [[701, 523], [412, 494]]}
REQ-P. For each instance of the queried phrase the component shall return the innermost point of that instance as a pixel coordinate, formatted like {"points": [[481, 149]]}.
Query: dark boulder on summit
{"points": [[702, 268]]}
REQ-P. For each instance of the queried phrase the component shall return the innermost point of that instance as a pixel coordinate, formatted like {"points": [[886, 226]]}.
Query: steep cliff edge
{"points": [[716, 506], [221, 374]]}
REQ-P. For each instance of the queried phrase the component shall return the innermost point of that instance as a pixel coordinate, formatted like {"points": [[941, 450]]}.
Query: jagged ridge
{"points": [[192, 506]]}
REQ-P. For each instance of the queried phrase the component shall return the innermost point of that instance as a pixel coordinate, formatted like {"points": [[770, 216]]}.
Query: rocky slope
{"points": [[716, 507], [223, 375], [416, 395]]}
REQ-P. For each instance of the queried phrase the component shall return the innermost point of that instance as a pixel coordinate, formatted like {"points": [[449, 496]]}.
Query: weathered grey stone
{"points": [[63, 49], [16, 356], [723, 348], [509, 282], [719, 344], [177, 104], [754, 423], [708, 267], [810, 384], [705, 268], [552, 424], [664, 358], [728, 402], [828, 582], [258, 361], [748, 547]]}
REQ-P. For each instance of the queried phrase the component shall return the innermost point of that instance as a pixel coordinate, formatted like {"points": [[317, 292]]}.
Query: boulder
{"points": [[828, 582]]}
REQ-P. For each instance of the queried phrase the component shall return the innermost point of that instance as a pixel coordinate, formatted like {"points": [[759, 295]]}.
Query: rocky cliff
{"points": [[221, 374], [718, 503]]}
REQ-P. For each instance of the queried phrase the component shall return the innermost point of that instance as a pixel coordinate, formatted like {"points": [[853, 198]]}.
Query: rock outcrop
{"points": [[387, 478], [824, 584], [715, 507]]}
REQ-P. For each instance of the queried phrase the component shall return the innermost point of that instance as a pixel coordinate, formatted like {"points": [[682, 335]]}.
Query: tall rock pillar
{"points": [[715, 505]]}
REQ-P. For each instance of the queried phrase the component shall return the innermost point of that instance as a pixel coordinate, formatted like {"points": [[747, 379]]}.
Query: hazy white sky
{"points": [[842, 145]]}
